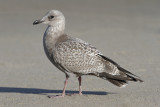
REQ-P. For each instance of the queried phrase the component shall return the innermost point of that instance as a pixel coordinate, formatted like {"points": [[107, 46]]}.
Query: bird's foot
{"points": [[55, 96]]}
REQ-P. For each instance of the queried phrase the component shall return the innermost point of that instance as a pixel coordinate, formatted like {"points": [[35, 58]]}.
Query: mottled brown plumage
{"points": [[73, 55]]}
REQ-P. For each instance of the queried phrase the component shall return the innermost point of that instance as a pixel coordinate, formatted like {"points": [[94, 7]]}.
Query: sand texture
{"points": [[127, 31]]}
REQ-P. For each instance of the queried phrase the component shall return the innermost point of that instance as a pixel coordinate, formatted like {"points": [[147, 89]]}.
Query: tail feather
{"points": [[127, 72], [130, 75], [106, 76], [119, 83], [120, 80], [122, 76]]}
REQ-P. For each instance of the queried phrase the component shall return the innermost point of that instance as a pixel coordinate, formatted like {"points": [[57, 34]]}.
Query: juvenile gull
{"points": [[73, 55]]}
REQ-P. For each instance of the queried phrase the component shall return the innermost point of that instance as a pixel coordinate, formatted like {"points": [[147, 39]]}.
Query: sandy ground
{"points": [[128, 31]]}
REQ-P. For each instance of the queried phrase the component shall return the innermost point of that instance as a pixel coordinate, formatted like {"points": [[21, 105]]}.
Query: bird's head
{"points": [[52, 18]]}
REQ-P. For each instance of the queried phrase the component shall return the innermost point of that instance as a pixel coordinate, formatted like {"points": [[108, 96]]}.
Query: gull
{"points": [[74, 56]]}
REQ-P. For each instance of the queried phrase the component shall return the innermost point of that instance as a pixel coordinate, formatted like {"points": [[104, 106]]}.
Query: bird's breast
{"points": [[48, 44]]}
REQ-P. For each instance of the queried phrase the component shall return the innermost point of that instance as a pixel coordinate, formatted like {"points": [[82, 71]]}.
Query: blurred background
{"points": [[127, 31]]}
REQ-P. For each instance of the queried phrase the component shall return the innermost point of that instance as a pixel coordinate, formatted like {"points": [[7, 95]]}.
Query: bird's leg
{"points": [[64, 89], [65, 85], [80, 87]]}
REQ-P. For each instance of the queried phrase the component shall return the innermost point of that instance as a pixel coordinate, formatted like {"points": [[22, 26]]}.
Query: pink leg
{"points": [[80, 87], [64, 89]]}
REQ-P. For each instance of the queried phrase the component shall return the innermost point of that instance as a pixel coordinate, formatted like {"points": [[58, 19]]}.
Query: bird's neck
{"points": [[53, 33], [51, 36], [55, 30]]}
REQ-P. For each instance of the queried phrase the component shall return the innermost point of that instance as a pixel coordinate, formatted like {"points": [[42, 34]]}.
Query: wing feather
{"points": [[77, 56]]}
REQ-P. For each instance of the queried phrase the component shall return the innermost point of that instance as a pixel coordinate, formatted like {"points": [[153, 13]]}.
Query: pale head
{"points": [[52, 18]]}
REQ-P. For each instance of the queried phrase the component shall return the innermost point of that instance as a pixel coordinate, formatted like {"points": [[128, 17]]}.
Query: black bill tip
{"points": [[37, 22]]}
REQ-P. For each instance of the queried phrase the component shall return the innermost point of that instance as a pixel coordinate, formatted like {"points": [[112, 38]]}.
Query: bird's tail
{"points": [[130, 75], [123, 76], [119, 83], [122, 79]]}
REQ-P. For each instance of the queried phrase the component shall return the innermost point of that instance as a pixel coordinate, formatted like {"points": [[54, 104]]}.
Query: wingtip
{"points": [[141, 81]]}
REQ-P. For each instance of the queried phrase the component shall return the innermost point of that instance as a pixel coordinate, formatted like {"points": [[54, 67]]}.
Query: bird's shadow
{"points": [[46, 91]]}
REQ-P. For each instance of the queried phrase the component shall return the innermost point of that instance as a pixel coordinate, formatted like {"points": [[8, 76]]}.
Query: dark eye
{"points": [[50, 17]]}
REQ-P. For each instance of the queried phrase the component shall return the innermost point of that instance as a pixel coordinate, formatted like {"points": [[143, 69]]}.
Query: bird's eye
{"points": [[50, 17]]}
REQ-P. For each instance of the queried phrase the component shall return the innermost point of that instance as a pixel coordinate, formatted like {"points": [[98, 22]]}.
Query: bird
{"points": [[74, 56]]}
